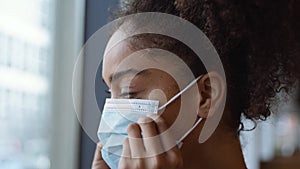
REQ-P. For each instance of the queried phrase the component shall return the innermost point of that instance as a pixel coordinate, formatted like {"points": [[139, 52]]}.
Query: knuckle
{"points": [[157, 163], [176, 161], [160, 121], [145, 120], [156, 166], [124, 167], [139, 163], [123, 164]]}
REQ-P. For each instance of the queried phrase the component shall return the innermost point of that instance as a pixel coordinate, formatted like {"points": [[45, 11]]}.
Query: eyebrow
{"points": [[122, 73]]}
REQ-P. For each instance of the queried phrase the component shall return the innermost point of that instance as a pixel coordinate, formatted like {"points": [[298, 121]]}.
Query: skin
{"points": [[221, 150]]}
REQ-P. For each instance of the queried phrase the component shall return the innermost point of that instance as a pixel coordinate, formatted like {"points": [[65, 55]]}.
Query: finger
{"points": [[160, 123], [172, 152], [135, 141], [126, 149], [126, 154], [174, 157], [148, 127], [98, 162], [97, 155], [150, 136], [166, 138]]}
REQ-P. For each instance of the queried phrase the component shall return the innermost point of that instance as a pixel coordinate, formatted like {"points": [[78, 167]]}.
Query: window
{"points": [[25, 38]]}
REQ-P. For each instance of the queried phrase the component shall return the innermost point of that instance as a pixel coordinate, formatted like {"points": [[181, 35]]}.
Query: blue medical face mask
{"points": [[118, 114]]}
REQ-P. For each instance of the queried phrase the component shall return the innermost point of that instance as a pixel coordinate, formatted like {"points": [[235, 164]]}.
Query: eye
{"points": [[108, 91]]}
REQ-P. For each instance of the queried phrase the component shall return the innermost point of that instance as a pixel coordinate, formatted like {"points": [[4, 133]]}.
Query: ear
{"points": [[212, 90]]}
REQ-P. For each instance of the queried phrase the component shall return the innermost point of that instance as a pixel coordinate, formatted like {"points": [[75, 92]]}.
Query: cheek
{"points": [[158, 94], [162, 87], [164, 95], [170, 113]]}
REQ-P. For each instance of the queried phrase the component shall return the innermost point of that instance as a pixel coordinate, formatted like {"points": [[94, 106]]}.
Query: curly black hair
{"points": [[258, 42]]}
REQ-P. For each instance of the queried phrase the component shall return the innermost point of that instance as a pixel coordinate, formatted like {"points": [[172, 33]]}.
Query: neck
{"points": [[221, 150]]}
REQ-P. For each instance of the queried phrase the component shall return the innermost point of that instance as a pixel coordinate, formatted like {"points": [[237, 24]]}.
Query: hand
{"points": [[142, 153], [98, 162]]}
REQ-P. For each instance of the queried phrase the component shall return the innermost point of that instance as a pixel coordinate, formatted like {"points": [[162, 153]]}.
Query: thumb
{"points": [[98, 162]]}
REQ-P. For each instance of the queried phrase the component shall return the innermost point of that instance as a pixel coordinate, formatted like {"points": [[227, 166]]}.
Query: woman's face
{"points": [[127, 82]]}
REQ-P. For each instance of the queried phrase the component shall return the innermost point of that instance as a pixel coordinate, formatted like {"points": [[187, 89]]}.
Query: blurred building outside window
{"points": [[26, 42], [277, 137]]}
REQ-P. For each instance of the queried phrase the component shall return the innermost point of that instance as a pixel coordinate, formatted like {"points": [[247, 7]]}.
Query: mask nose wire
{"points": [[178, 94]]}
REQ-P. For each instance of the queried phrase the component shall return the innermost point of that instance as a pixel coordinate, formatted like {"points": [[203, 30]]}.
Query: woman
{"points": [[258, 43]]}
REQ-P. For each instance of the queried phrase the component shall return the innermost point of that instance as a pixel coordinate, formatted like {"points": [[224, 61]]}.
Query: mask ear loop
{"points": [[178, 94], [179, 142]]}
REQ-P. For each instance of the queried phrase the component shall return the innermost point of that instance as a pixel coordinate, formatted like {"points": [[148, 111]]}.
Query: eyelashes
{"points": [[128, 95]]}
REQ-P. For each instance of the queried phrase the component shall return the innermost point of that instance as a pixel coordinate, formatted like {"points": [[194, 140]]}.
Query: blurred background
{"points": [[39, 43]]}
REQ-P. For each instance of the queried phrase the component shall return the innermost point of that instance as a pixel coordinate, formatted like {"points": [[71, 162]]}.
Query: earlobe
{"points": [[211, 88]]}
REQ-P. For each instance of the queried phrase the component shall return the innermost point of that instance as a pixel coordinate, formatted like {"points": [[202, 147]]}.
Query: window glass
{"points": [[26, 28]]}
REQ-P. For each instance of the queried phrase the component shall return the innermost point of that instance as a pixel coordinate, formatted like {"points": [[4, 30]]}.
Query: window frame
{"points": [[69, 38]]}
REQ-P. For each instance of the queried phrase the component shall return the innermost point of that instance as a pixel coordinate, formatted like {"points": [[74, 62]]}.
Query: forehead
{"points": [[121, 52], [113, 58], [122, 58]]}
